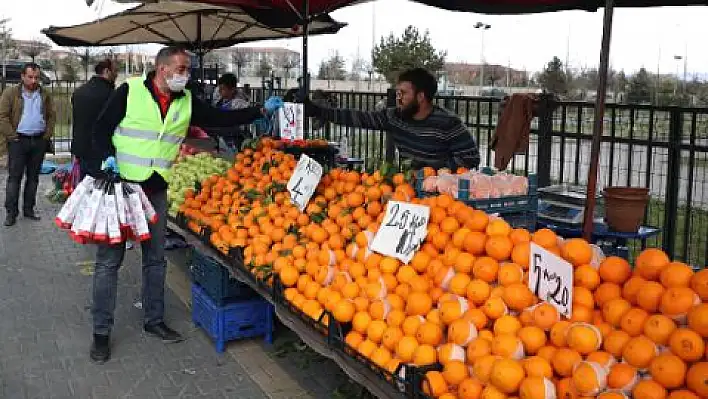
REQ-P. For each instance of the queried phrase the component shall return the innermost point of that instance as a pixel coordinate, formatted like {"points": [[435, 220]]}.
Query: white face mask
{"points": [[178, 82]]}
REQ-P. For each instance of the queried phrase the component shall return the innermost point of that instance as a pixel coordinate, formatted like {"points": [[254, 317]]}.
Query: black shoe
{"points": [[100, 348], [166, 334], [31, 216], [10, 220]]}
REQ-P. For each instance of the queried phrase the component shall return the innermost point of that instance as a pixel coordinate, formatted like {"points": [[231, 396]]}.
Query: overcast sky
{"points": [[641, 37]]}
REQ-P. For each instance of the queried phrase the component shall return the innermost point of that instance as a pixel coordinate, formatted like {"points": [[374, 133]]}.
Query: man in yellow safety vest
{"points": [[138, 135]]}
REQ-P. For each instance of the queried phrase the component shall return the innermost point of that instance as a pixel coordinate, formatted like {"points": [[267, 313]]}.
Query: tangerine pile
{"points": [[463, 301]]}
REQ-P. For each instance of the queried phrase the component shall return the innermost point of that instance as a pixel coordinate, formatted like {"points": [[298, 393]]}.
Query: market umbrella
{"points": [[535, 6], [306, 13], [197, 26]]}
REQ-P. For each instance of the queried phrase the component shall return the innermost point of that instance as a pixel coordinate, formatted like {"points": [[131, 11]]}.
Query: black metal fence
{"points": [[662, 148]]}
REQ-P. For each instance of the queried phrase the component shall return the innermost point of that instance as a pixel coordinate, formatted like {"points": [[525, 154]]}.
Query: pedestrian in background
{"points": [[86, 104], [27, 118]]}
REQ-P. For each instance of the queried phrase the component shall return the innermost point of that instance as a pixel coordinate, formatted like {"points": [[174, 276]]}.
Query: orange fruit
{"points": [[614, 310], [405, 349], [485, 269], [518, 296], [677, 301], [536, 366], [631, 288], [353, 339], [390, 337], [458, 284], [633, 321], [668, 370], [559, 332], [586, 276], [498, 227], [475, 243], [589, 378], [687, 344], [615, 270], [418, 303], [545, 238], [545, 316], [410, 325], [470, 388], [434, 384], [367, 347], [577, 251], [510, 273], [683, 394], [697, 379], [289, 276], [698, 319], [375, 330], [506, 325], [455, 372], [615, 342], [499, 247], [547, 352], [676, 274], [699, 284], [429, 334], [649, 296], [461, 332], [478, 291], [343, 311], [533, 338], [565, 389], [623, 377], [648, 389], [508, 346], [507, 375], [521, 254], [424, 355], [449, 352], [491, 392], [564, 361], [602, 358], [583, 338], [476, 349], [639, 352], [606, 292], [650, 263], [658, 328]]}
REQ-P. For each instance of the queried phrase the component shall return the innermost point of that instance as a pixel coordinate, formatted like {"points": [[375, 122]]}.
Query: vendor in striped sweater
{"points": [[423, 132]]}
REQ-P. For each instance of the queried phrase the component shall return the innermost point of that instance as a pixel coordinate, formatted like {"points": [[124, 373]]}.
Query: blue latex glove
{"points": [[109, 164], [273, 104]]}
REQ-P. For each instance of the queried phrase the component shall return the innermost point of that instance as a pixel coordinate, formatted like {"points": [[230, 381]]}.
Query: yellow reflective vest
{"points": [[144, 142]]}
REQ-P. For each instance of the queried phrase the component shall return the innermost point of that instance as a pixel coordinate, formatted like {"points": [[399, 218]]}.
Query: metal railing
{"points": [[664, 149]]}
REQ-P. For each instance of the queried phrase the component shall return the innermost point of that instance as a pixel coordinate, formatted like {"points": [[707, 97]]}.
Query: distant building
{"points": [[280, 60], [469, 74]]}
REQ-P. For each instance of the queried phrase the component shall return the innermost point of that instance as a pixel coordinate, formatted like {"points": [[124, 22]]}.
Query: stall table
{"points": [[612, 242], [354, 369]]}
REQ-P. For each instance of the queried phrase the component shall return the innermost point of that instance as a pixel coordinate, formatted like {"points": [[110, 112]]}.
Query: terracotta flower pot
{"points": [[624, 207]]}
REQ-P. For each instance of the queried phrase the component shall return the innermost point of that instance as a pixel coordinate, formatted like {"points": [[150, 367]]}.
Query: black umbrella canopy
{"points": [[538, 6], [196, 26]]}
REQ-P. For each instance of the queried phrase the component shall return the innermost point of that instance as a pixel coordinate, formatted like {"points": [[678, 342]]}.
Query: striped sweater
{"points": [[439, 141]]}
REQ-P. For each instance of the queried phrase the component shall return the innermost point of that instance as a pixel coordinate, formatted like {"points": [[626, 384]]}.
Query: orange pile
{"points": [[463, 300]]}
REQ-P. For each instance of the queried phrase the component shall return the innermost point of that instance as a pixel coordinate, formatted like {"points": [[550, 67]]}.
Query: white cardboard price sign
{"points": [[291, 120], [304, 181], [403, 229], [551, 279]]}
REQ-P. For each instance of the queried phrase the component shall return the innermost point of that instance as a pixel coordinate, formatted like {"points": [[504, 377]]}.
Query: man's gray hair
{"points": [[163, 56]]}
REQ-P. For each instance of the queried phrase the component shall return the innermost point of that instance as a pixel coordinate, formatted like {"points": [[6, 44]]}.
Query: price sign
{"points": [[291, 121], [403, 229], [551, 279], [304, 181]]}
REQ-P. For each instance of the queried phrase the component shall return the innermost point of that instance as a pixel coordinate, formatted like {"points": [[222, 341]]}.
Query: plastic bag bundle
{"points": [[481, 186], [106, 210]]}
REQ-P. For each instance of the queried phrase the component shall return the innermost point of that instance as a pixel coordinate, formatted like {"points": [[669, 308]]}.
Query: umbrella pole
{"points": [[305, 34], [588, 216]]}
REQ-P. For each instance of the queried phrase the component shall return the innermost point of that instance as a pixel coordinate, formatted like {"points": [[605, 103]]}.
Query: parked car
{"points": [[13, 70]]}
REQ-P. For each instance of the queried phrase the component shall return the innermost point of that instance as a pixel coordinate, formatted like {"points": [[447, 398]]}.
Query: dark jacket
{"points": [[11, 104], [203, 115], [86, 104]]}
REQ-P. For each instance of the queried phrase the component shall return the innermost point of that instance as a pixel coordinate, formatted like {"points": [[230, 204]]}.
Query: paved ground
{"points": [[45, 280]]}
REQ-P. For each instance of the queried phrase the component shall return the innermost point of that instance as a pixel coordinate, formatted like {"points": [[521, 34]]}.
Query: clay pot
{"points": [[624, 207]]}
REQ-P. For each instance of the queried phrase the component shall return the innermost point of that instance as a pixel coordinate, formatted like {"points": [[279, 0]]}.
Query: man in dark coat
{"points": [[87, 103]]}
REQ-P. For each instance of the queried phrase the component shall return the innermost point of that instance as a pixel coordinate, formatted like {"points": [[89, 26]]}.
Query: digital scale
{"points": [[565, 204]]}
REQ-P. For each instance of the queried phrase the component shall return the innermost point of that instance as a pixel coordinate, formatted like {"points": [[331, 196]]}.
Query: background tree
{"points": [[34, 48], [358, 67], [285, 63], [70, 65], [264, 68], [6, 46], [494, 73], [239, 59], [639, 89], [332, 69], [86, 57], [554, 78], [394, 55]]}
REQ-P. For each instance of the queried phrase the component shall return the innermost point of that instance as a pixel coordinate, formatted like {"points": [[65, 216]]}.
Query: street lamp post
{"points": [[483, 27], [678, 58]]}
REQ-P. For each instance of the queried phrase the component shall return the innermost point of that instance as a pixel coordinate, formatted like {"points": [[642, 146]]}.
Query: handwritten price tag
{"points": [[403, 230], [551, 279], [304, 181], [291, 120]]}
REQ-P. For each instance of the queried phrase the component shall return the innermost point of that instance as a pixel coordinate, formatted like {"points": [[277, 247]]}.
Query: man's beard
{"points": [[408, 112]]}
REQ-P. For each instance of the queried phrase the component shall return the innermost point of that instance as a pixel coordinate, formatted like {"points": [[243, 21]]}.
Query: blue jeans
{"points": [[108, 261]]}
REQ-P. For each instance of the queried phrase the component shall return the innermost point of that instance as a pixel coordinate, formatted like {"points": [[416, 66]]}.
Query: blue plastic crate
{"points": [[216, 280], [234, 320]]}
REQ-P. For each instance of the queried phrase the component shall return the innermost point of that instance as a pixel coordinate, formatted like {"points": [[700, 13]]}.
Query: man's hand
{"points": [[110, 165]]}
